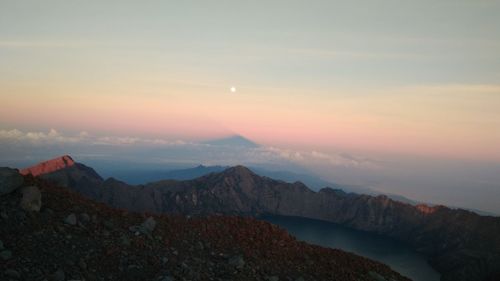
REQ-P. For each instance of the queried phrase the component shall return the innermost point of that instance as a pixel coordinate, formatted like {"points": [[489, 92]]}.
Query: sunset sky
{"points": [[398, 77], [399, 96]]}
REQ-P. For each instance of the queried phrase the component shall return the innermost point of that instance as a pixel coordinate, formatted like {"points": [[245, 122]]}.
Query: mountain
{"points": [[74, 238], [135, 176], [191, 173], [235, 141], [49, 166], [311, 180], [70, 174], [460, 244], [315, 182]]}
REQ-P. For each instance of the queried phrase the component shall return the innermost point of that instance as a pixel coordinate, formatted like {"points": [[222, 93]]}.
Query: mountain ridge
{"points": [[49, 166], [460, 244], [74, 238]]}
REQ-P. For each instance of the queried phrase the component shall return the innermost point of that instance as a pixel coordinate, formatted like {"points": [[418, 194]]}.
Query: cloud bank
{"points": [[164, 150], [55, 137]]}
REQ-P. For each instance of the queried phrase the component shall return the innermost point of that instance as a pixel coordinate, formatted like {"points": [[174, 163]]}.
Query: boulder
{"points": [[12, 274], [148, 225], [166, 278], [32, 199], [10, 180], [82, 264], [59, 275], [6, 255], [85, 217], [237, 261], [70, 219]]}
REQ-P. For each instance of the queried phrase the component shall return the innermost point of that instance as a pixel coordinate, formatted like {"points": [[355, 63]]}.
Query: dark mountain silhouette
{"points": [[135, 176], [460, 244], [235, 141]]}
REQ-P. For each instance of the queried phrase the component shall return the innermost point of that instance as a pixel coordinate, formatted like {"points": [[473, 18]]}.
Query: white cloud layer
{"points": [[183, 150], [317, 158], [55, 137]]}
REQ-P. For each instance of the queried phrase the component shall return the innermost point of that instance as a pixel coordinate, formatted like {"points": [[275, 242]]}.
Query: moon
{"points": [[232, 89]]}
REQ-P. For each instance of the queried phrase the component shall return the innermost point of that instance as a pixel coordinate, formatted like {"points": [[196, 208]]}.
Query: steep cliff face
{"points": [[460, 244]]}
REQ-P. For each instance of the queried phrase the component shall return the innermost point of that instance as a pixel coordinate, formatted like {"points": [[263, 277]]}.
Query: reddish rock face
{"points": [[49, 166], [426, 209]]}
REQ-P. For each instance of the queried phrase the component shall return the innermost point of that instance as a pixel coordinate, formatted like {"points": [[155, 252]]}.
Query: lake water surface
{"points": [[397, 255]]}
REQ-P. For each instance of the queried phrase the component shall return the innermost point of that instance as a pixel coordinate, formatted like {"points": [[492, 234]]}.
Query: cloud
{"points": [[55, 137], [179, 150], [316, 158], [52, 136]]}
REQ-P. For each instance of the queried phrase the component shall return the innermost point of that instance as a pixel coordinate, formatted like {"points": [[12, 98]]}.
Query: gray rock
{"points": [[85, 217], [10, 180], [125, 241], [6, 255], [32, 199], [47, 214], [82, 264], [273, 278], [108, 224], [134, 272], [70, 219], [12, 274], [59, 275], [237, 261], [1, 245], [148, 226], [166, 278], [20, 215], [135, 229]]}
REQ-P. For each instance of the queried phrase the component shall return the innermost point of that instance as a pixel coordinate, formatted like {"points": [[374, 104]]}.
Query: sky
{"points": [[390, 81]]}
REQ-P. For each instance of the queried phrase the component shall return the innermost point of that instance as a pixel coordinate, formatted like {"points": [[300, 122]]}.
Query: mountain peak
{"points": [[238, 170], [49, 166], [234, 140]]}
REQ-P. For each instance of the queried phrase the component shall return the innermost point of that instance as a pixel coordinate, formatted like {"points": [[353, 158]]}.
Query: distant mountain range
{"points": [[460, 244], [137, 176]]}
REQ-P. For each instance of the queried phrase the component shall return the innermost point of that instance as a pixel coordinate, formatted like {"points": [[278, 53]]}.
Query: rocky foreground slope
{"points": [[51, 233], [460, 244]]}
